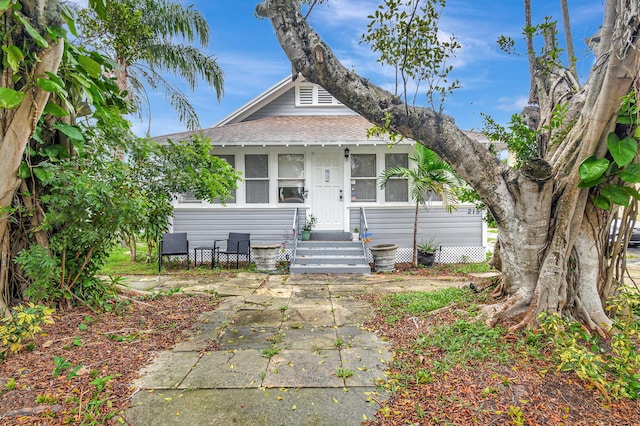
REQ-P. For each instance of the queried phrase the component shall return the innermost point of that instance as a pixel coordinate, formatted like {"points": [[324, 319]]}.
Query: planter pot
{"points": [[355, 236], [384, 257], [305, 235], [426, 258], [266, 256]]}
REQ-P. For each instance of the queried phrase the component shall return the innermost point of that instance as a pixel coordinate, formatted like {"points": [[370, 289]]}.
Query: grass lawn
{"points": [[120, 263]]}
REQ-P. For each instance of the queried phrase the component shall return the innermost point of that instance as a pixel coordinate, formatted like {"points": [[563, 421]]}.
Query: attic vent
{"points": [[324, 98], [305, 95], [313, 95]]}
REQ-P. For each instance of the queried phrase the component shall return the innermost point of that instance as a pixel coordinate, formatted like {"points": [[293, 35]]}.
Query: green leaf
{"points": [[4, 5], [37, 136], [32, 31], [14, 56], [623, 151], [100, 6], [67, 15], [616, 194], [55, 110], [631, 173], [54, 152], [9, 98], [632, 192], [72, 132], [602, 202], [42, 174], [51, 86], [24, 171], [593, 168], [81, 80], [90, 66], [624, 119]]}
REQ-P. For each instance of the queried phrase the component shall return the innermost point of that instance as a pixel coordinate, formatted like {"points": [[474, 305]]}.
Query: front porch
{"points": [[461, 235]]}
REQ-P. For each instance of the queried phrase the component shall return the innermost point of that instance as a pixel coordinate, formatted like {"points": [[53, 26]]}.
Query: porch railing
{"points": [[295, 228], [364, 226]]}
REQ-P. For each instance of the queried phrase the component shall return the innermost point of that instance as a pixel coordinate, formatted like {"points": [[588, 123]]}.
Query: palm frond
{"points": [[178, 100], [169, 19], [188, 63]]}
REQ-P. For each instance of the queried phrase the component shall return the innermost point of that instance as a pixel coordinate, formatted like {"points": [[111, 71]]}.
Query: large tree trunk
{"points": [[539, 209], [19, 126]]}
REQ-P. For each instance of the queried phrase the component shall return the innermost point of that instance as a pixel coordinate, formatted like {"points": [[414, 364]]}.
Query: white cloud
{"points": [[511, 104], [339, 13]]}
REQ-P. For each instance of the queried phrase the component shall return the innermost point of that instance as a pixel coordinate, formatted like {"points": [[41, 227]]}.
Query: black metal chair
{"points": [[237, 244], [173, 244]]}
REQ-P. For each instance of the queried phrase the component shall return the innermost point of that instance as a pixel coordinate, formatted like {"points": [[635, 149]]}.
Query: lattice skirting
{"points": [[444, 255], [403, 255]]}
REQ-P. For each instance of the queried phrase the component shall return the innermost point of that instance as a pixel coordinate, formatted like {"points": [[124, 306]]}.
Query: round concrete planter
{"points": [[266, 256], [384, 257]]}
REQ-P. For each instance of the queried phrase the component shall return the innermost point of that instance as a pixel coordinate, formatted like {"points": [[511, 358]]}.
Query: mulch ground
{"points": [[38, 388], [524, 391]]}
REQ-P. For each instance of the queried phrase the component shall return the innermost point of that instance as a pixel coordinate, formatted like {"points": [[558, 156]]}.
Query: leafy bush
{"points": [[613, 371], [23, 324]]}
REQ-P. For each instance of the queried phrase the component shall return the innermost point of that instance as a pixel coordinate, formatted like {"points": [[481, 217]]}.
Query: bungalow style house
{"points": [[302, 153]]}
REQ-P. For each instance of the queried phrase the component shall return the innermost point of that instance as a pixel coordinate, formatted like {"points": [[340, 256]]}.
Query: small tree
{"points": [[158, 172], [150, 39], [431, 177]]}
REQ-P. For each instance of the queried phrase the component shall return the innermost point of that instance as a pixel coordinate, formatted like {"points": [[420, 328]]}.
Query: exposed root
{"points": [[123, 290], [510, 307]]}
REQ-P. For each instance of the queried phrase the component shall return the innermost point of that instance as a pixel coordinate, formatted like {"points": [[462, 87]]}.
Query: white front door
{"points": [[327, 196]]}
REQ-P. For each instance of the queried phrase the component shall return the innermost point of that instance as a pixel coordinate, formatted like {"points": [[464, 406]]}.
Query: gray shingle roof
{"points": [[288, 130]]}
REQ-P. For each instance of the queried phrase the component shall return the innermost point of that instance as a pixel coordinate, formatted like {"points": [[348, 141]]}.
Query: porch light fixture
{"points": [[346, 153]]}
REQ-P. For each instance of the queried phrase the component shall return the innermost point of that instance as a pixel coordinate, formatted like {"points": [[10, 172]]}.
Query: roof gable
{"points": [[288, 98]]}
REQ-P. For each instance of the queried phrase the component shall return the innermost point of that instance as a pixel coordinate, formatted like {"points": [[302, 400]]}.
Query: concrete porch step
{"points": [[329, 260], [329, 257], [329, 269]]}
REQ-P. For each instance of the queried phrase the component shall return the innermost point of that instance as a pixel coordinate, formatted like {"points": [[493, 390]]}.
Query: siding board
{"points": [[203, 226], [462, 228], [286, 105]]}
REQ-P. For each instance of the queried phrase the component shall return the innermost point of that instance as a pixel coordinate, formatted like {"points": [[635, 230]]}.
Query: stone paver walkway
{"points": [[277, 350]]}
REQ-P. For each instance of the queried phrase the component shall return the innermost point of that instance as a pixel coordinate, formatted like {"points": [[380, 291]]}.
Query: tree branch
{"points": [[437, 132]]}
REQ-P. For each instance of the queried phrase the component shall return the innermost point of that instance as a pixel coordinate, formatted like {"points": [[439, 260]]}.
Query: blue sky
{"points": [[492, 82]]}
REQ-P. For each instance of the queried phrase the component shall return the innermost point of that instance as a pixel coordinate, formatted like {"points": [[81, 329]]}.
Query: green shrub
{"points": [[613, 371], [23, 324]]}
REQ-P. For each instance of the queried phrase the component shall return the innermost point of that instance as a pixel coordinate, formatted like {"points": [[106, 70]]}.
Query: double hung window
{"points": [[256, 177], [363, 177], [290, 178], [397, 188]]}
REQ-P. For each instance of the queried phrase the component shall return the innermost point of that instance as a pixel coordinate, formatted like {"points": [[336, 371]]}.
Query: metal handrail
{"points": [[364, 226], [295, 226]]}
